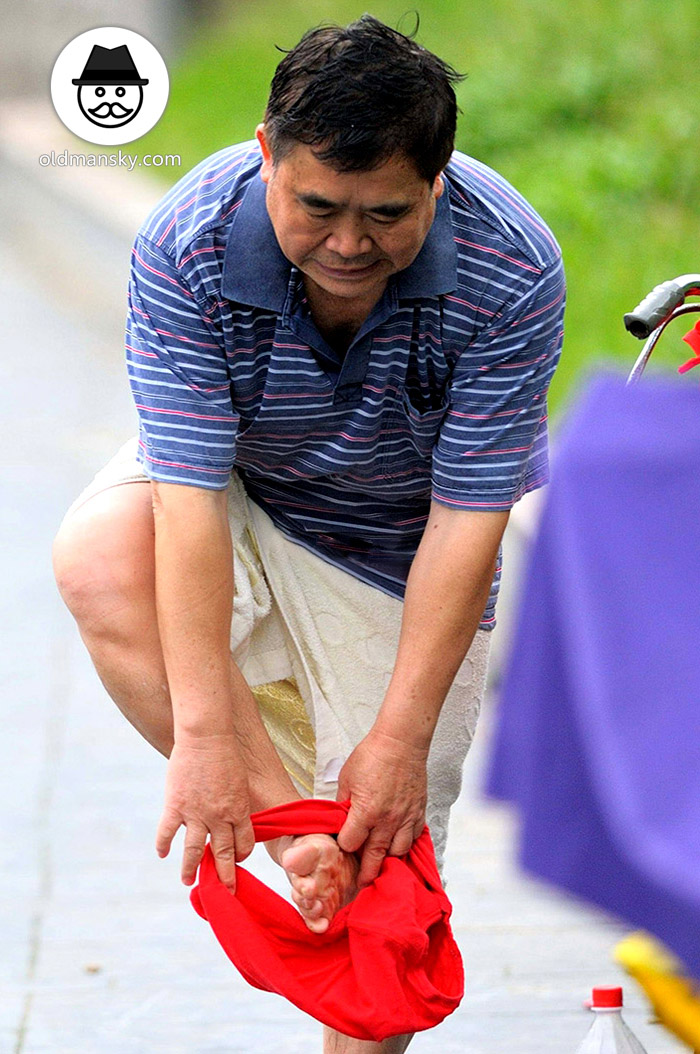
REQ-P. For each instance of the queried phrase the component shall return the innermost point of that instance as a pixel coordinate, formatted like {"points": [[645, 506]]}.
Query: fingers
{"points": [[245, 838], [354, 832], [167, 829], [223, 847], [403, 840], [378, 843], [373, 855], [195, 841], [228, 844]]}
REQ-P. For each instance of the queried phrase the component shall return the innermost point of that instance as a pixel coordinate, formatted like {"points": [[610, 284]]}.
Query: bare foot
{"points": [[323, 877]]}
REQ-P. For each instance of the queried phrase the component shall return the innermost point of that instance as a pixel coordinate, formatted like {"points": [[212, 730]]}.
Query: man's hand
{"points": [[386, 781], [206, 790]]}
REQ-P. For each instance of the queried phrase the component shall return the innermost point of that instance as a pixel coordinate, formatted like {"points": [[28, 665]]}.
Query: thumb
{"points": [[343, 793], [354, 831]]}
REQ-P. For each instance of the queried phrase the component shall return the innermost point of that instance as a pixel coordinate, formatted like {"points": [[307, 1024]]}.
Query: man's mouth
{"points": [[348, 273], [110, 109]]}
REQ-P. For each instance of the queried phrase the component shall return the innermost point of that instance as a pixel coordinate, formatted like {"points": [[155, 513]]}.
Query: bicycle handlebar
{"points": [[660, 304]]}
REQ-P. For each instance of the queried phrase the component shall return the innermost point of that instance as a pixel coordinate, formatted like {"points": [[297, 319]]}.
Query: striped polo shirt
{"points": [[441, 395]]}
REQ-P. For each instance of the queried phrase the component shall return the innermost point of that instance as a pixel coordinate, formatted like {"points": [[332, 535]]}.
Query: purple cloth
{"points": [[598, 732]]}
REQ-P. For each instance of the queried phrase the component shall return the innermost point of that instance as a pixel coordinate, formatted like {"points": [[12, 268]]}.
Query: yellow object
{"points": [[286, 720], [674, 997]]}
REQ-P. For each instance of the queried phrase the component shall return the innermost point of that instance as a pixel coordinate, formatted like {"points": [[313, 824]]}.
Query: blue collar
{"points": [[256, 272]]}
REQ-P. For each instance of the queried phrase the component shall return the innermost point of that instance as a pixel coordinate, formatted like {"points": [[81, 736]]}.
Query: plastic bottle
{"points": [[609, 1034]]}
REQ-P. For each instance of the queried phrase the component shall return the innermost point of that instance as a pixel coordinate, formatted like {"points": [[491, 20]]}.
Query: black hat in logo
{"points": [[110, 66]]}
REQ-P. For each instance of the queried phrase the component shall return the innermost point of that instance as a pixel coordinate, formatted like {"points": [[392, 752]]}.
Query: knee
{"points": [[104, 574], [72, 569], [88, 580]]}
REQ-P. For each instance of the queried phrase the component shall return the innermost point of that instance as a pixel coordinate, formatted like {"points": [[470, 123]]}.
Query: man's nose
{"points": [[349, 239]]}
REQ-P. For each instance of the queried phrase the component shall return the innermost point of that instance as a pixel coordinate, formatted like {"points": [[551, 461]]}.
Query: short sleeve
{"points": [[178, 375], [492, 446]]}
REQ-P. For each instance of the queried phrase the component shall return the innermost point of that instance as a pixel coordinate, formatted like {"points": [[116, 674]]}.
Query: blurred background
{"points": [[589, 108], [586, 107]]}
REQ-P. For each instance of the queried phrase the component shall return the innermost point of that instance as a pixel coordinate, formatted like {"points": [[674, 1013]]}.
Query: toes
{"points": [[313, 913], [323, 878], [307, 888], [309, 865], [310, 908], [302, 858], [318, 925]]}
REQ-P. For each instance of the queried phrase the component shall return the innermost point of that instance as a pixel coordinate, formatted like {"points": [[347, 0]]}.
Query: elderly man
{"points": [[340, 339]]}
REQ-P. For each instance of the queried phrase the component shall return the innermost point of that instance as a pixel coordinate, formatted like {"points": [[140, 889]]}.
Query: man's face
{"points": [[347, 231]]}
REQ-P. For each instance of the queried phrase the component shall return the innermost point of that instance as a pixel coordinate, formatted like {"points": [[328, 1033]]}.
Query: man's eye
{"points": [[378, 217]]}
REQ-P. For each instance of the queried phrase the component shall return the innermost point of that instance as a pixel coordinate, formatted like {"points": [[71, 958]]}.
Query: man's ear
{"points": [[267, 165], [438, 185]]}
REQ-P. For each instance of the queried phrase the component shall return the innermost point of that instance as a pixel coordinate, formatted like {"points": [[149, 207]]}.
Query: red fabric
{"points": [[693, 339], [388, 963]]}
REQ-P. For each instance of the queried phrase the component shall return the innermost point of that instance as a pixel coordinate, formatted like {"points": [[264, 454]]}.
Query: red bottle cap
{"points": [[607, 996]]}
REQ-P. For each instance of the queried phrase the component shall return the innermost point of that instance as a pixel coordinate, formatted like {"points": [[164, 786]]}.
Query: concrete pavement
{"points": [[101, 951]]}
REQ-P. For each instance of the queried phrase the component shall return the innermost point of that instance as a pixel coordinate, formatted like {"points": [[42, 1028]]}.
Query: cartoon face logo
{"points": [[99, 93], [110, 105], [110, 91]]}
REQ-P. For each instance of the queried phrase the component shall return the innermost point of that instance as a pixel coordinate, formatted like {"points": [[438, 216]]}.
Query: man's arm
{"points": [[448, 585], [180, 382], [206, 786], [223, 761], [385, 776]]}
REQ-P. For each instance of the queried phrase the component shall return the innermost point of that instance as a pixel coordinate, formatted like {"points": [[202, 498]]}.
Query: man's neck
{"points": [[338, 319]]}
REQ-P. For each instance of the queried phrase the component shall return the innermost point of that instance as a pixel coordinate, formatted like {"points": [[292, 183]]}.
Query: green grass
{"points": [[588, 107]]}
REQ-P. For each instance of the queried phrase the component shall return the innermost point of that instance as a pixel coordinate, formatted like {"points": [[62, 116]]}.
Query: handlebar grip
{"points": [[654, 309]]}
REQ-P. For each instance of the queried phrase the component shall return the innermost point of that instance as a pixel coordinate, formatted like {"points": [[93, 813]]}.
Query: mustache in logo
{"points": [[110, 109]]}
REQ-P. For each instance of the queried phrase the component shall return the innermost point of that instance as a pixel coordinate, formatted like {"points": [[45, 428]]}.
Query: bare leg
{"points": [[336, 1043], [104, 565]]}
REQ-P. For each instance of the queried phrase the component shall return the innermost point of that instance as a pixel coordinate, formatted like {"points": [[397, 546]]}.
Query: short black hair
{"points": [[361, 94]]}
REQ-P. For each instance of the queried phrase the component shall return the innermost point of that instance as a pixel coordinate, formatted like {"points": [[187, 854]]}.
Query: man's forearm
{"points": [[194, 584], [194, 597], [446, 594], [385, 776]]}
